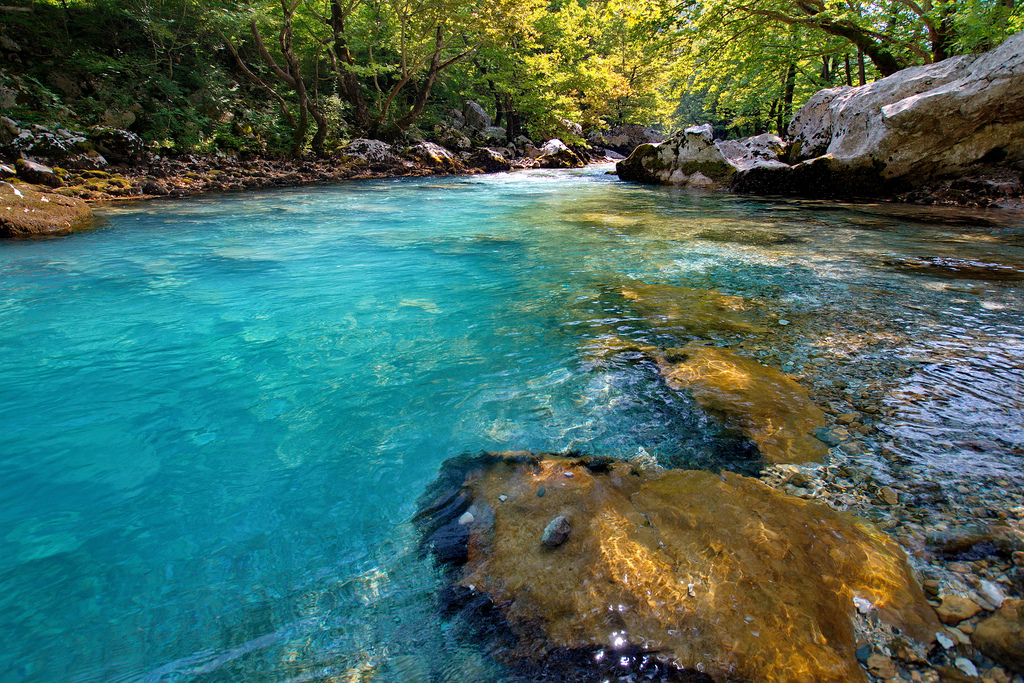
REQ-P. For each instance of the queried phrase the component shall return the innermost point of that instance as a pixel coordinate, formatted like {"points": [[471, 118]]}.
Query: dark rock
{"points": [[118, 146], [556, 532], [971, 542], [6, 171], [155, 188], [31, 172]]}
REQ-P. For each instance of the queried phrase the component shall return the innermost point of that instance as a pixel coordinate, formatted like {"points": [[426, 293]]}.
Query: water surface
{"points": [[217, 414]]}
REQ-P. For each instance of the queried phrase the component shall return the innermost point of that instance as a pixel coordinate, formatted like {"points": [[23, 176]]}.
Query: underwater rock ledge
{"points": [[676, 575]]}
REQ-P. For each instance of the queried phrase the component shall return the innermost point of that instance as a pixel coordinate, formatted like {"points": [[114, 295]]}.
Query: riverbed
{"points": [[219, 413]]}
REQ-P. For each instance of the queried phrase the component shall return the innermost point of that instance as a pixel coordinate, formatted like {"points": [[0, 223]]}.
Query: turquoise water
{"points": [[217, 414]]}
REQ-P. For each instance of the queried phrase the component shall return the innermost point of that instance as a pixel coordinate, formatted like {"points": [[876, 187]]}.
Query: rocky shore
{"points": [[948, 132], [103, 164]]}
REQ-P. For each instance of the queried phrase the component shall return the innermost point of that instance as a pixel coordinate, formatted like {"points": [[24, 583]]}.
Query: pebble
{"points": [[992, 593], [945, 641], [956, 608], [541, 491], [967, 666], [783, 322], [503, 498], [888, 495], [556, 532], [881, 666], [466, 518]]}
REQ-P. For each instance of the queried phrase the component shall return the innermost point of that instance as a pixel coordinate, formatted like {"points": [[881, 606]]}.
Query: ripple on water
{"points": [[223, 408]]}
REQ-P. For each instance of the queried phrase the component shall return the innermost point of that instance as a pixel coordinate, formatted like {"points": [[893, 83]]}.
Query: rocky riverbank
{"points": [[948, 132], [103, 164]]}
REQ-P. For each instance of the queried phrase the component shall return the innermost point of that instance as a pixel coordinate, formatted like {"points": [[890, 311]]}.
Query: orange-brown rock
{"points": [[1001, 636], [716, 573], [697, 312], [767, 405], [24, 210]]}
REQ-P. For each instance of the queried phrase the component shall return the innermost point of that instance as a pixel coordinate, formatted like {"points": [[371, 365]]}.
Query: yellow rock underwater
{"points": [[697, 312], [765, 404], [717, 574]]}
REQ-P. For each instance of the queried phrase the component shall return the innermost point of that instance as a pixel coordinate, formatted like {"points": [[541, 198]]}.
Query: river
{"points": [[218, 413]]}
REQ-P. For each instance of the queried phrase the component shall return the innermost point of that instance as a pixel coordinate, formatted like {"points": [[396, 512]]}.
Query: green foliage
{"points": [[276, 76]]}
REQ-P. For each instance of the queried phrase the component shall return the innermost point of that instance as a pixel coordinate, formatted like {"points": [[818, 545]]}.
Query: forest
{"points": [[278, 78]]}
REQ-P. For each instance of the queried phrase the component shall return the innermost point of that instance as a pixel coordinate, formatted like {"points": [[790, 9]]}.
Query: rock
{"points": [[451, 139], [955, 608], [881, 666], [746, 153], [496, 133], [475, 116], [436, 156], [967, 666], [764, 404], [489, 160], [919, 123], [373, 151], [1001, 636], [117, 119], [6, 172], [556, 532], [25, 210], [623, 139], [155, 188], [712, 571], [117, 145], [888, 496], [555, 154], [38, 174], [690, 157], [971, 540], [691, 311], [532, 152]]}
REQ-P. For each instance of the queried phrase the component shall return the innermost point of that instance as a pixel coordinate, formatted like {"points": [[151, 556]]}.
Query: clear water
{"points": [[216, 415]]}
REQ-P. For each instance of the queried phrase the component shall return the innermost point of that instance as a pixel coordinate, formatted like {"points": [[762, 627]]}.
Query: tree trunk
{"points": [[342, 57], [787, 98], [862, 76]]}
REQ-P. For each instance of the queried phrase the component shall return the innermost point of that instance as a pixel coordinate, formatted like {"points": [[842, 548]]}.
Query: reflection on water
{"points": [[219, 412]]}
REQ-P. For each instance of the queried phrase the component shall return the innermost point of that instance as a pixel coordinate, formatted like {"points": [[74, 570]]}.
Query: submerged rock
{"points": [[766, 405], [692, 311], [689, 571], [1001, 636], [25, 210]]}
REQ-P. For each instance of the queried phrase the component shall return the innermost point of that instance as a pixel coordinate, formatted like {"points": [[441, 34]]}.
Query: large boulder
{"points": [[690, 157], [26, 210], [373, 151], [624, 138], [476, 116], [436, 157], [117, 145], [555, 154], [660, 574], [921, 123], [489, 160]]}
